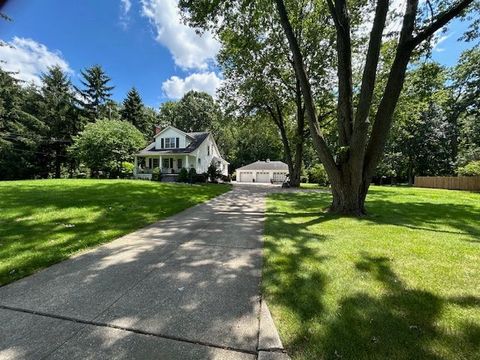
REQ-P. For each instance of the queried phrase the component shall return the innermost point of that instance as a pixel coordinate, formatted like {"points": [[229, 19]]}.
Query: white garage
{"points": [[262, 172], [246, 176]]}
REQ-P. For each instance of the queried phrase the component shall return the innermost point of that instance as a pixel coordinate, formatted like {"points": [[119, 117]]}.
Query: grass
{"points": [[400, 283], [45, 221]]}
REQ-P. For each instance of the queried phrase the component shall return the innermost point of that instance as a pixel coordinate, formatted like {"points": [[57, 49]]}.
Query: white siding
{"points": [[169, 133]]}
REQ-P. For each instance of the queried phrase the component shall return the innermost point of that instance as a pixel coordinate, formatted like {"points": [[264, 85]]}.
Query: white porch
{"points": [[168, 164]]}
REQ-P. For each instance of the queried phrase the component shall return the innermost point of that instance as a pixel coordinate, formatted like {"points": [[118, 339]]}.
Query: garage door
{"points": [[246, 176], [263, 177], [279, 177]]}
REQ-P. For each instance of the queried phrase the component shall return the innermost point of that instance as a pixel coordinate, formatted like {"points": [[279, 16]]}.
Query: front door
{"points": [[179, 164], [166, 164]]}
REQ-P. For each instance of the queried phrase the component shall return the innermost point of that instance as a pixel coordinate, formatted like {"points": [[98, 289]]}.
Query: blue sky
{"points": [[139, 43]]}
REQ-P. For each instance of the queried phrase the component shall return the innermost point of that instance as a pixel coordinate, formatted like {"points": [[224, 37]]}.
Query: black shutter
{"points": [[163, 143], [171, 163], [178, 142]]}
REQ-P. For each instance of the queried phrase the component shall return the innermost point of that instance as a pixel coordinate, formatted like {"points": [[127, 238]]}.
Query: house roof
{"points": [[197, 139], [265, 165]]}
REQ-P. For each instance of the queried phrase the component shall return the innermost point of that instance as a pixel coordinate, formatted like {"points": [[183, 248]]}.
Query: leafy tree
{"points": [[423, 140], [96, 92], [466, 86], [362, 129], [106, 144], [196, 111]]}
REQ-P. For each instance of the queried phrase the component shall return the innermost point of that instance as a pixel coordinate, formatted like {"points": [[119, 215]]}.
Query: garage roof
{"points": [[265, 165]]}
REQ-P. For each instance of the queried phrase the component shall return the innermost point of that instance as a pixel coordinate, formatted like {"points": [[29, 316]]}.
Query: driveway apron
{"points": [[187, 287]]}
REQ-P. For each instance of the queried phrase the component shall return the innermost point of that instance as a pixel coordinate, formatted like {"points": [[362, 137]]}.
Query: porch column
{"points": [[186, 162], [160, 158], [135, 169]]}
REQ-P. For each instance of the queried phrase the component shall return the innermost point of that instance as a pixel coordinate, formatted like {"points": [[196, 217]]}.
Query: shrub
{"points": [[126, 169], [192, 174], [226, 178], [183, 175], [471, 169], [318, 175], [213, 172], [156, 174], [201, 178]]}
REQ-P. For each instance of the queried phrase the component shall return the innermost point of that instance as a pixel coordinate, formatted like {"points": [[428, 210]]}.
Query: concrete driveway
{"points": [[187, 287]]}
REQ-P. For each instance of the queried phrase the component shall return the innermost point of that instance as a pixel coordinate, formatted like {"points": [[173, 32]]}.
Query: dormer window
{"points": [[170, 143]]}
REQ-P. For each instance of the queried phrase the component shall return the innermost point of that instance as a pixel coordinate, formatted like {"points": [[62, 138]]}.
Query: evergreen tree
{"points": [[133, 110], [60, 115], [20, 130], [96, 91]]}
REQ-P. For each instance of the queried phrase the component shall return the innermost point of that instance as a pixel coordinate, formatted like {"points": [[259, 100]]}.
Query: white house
{"points": [[174, 149], [262, 172]]}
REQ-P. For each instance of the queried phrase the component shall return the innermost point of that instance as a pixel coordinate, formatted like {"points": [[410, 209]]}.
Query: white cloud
{"points": [[175, 87], [125, 6], [437, 40], [189, 49], [30, 59]]}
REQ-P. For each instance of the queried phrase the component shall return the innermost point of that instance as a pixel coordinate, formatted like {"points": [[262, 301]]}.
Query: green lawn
{"points": [[401, 283], [45, 221]]}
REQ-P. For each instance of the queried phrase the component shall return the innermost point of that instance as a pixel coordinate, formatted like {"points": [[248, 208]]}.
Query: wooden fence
{"points": [[449, 182]]}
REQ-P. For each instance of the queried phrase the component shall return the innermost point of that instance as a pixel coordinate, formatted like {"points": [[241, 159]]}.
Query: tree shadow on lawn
{"points": [[400, 323], [449, 218], [83, 215]]}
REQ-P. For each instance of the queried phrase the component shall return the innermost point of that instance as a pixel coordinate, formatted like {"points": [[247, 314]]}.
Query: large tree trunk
{"points": [[347, 200], [351, 170]]}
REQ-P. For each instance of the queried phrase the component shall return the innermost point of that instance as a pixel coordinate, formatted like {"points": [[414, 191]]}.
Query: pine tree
{"points": [[96, 91], [133, 109], [59, 113], [135, 112]]}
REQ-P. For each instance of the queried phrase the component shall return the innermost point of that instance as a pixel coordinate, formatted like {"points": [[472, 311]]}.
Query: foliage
{"points": [[466, 85], [127, 169], [137, 114], [47, 221], [471, 169], [196, 111], [20, 131], [192, 175], [390, 286], [157, 174], [62, 120], [213, 172], [105, 144], [317, 175], [95, 93], [183, 175], [423, 138]]}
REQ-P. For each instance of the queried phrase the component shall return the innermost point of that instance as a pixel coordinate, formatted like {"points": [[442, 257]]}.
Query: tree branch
{"points": [[340, 17], [441, 20], [321, 146], [359, 137]]}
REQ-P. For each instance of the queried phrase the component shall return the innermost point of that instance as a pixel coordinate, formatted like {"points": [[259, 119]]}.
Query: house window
{"points": [[208, 150], [166, 163], [170, 143], [199, 161], [179, 163], [155, 163]]}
